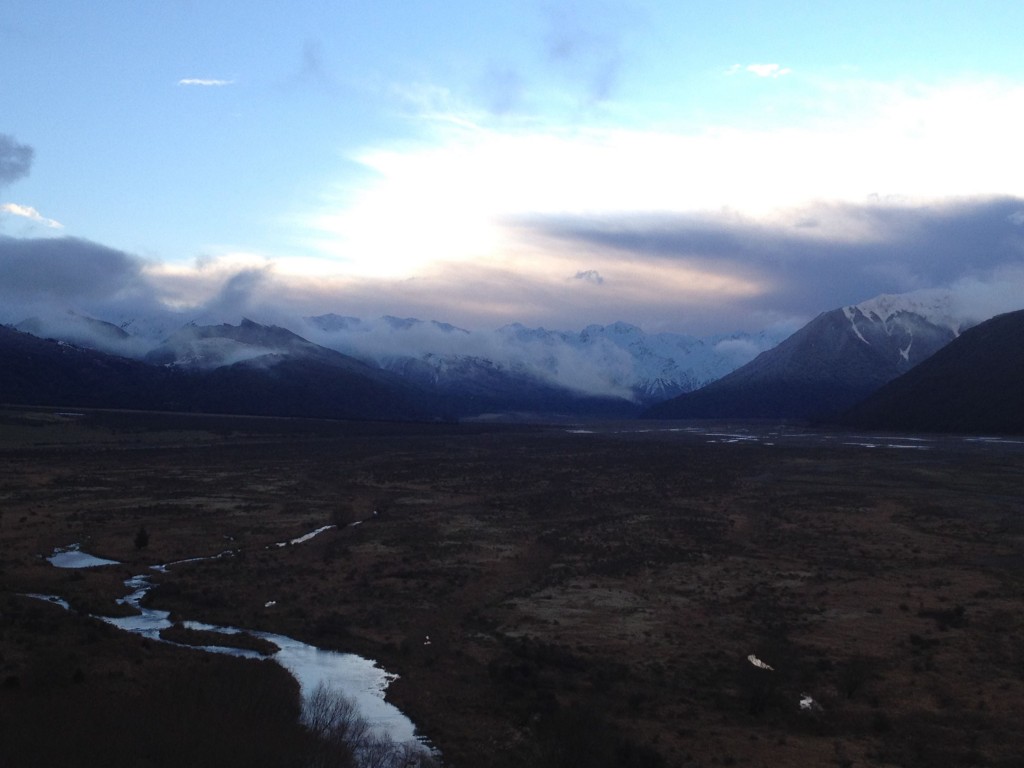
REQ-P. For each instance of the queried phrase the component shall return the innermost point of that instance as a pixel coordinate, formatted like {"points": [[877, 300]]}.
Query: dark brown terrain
{"points": [[590, 599]]}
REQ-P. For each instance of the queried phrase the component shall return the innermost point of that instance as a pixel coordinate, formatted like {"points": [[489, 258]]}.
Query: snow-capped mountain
{"points": [[834, 361], [937, 307]]}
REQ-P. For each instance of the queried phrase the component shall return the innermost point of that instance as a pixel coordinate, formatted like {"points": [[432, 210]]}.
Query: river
{"points": [[359, 679]]}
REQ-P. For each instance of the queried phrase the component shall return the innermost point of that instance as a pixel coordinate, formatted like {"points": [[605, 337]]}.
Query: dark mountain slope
{"points": [[278, 385], [974, 385], [267, 370], [35, 371], [472, 386], [214, 346]]}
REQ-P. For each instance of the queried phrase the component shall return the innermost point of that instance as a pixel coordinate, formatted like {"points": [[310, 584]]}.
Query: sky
{"points": [[696, 167]]}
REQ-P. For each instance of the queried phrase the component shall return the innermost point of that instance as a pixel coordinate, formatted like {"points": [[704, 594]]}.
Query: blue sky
{"points": [[697, 167]]}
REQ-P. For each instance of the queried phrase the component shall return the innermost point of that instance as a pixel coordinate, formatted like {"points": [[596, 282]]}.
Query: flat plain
{"points": [[548, 596]]}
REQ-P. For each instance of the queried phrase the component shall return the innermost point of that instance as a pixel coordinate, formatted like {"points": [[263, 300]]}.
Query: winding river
{"points": [[361, 680]]}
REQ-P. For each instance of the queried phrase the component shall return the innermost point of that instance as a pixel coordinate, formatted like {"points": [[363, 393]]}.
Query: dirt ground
{"points": [[548, 597]]}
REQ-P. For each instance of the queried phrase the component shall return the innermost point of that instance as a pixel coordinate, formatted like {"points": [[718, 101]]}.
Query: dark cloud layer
{"points": [[825, 257], [65, 268], [15, 159]]}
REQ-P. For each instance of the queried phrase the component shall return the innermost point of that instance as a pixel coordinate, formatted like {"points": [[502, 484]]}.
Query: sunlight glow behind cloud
{"points": [[454, 200]]}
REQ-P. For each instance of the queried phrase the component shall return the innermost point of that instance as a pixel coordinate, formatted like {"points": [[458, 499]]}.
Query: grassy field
{"points": [[548, 598]]}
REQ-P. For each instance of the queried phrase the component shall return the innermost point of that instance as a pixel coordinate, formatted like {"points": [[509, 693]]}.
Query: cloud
{"points": [[589, 276], [598, 370], [738, 349], [453, 195], [40, 276], [984, 295], [205, 82], [852, 253], [15, 159], [241, 293], [28, 212], [767, 70]]}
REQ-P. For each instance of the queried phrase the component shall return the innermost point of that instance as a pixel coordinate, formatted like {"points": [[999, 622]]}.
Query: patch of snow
{"points": [[937, 306], [905, 353], [808, 704], [851, 315], [71, 557]]}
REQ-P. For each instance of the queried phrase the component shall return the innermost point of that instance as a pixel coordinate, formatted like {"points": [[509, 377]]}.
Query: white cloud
{"points": [[761, 70], [28, 212], [202, 81], [452, 198], [768, 70]]}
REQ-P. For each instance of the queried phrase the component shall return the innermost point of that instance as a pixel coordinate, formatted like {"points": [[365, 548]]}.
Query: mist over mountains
{"points": [[619, 361]]}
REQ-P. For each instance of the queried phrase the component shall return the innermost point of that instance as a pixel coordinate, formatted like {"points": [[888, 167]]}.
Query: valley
{"points": [[547, 595]]}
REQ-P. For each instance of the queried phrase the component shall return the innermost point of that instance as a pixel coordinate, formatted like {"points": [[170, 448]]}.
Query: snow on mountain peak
{"points": [[936, 306]]}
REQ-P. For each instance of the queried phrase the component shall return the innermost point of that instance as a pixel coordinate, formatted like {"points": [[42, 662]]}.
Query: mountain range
{"points": [[605, 370], [39, 371], [403, 368]]}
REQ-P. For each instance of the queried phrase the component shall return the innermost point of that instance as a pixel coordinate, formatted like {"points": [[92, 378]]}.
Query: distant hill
{"points": [[973, 385], [266, 370], [320, 383], [456, 386], [831, 363], [36, 371]]}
